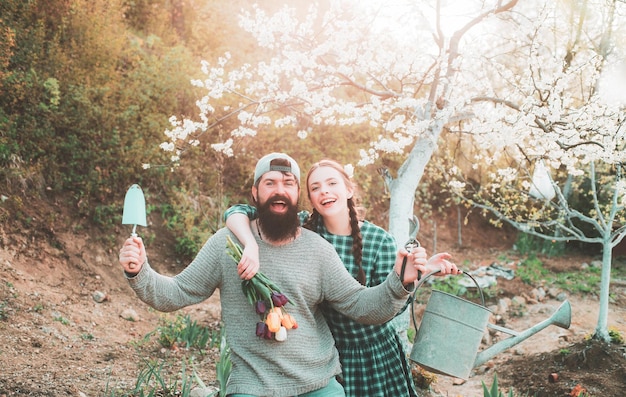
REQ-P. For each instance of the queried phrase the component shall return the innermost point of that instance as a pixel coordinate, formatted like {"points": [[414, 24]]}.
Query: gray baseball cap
{"points": [[263, 166]]}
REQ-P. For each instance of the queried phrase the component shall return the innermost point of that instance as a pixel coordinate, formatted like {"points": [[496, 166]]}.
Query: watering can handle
{"points": [[409, 246], [423, 279]]}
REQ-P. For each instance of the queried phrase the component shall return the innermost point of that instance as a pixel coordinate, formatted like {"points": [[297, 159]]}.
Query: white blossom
{"points": [[225, 147], [167, 146], [349, 169], [457, 186]]}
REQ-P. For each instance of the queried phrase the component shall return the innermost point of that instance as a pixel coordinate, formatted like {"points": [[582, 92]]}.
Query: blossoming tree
{"points": [[347, 66], [563, 112], [521, 86]]}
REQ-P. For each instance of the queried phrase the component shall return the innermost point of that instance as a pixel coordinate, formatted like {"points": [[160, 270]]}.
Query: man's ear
{"points": [[255, 191]]}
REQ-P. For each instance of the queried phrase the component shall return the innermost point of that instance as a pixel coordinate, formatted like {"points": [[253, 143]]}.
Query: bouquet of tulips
{"points": [[267, 300]]}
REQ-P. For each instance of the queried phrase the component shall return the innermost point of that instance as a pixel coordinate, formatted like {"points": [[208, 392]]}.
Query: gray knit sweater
{"points": [[309, 272]]}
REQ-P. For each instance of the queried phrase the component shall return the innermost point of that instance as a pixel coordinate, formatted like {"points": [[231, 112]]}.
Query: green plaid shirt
{"points": [[373, 360]]}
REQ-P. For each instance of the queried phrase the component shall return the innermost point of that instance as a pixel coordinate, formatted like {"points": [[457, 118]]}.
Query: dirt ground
{"points": [[57, 340]]}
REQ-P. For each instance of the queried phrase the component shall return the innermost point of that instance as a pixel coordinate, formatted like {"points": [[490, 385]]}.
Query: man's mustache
{"points": [[277, 199]]}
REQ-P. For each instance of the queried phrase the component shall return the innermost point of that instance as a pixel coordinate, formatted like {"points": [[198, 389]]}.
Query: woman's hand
{"points": [[248, 266], [441, 262], [419, 261]]}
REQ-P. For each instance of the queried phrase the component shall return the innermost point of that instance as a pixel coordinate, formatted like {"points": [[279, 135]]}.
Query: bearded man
{"points": [[305, 267]]}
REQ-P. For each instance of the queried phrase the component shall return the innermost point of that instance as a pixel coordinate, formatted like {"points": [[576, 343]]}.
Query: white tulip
{"points": [[281, 335]]}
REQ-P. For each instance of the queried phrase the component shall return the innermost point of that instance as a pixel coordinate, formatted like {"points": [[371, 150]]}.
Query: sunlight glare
{"points": [[613, 84], [403, 18]]}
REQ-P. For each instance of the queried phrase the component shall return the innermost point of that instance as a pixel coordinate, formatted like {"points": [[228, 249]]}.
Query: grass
{"points": [[616, 337], [4, 313], [62, 320], [493, 391], [531, 270], [185, 332], [585, 281], [169, 376], [158, 378]]}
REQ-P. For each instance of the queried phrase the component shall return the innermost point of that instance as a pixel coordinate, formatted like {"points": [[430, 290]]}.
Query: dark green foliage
{"points": [[153, 380], [187, 245], [187, 333], [528, 244], [3, 311], [85, 102], [531, 270]]}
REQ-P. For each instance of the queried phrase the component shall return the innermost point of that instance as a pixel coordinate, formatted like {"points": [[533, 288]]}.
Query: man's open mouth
{"points": [[278, 205]]}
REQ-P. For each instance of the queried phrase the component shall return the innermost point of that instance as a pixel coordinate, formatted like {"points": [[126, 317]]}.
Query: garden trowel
{"points": [[134, 210]]}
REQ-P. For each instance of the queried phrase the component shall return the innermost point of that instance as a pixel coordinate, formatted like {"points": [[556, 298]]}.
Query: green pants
{"points": [[334, 389]]}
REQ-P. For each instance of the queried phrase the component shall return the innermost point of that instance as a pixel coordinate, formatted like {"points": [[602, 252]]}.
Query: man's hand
{"points": [[415, 261], [132, 255]]}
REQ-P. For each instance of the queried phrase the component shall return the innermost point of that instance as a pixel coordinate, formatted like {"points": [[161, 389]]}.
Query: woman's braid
{"points": [[357, 241]]}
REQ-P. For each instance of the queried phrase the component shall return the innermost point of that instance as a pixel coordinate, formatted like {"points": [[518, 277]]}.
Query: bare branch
{"points": [[382, 94], [456, 37], [510, 104]]}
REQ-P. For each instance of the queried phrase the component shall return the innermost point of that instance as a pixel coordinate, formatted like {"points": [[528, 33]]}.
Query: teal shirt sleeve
{"points": [[245, 209], [304, 216]]}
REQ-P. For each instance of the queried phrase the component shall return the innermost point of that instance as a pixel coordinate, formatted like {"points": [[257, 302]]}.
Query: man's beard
{"points": [[278, 227]]}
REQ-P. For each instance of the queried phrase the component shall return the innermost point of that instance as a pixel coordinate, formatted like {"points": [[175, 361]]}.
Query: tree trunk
{"points": [[602, 329], [403, 188]]}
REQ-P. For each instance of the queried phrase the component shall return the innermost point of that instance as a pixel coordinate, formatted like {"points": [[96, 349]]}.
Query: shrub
{"points": [[187, 333]]}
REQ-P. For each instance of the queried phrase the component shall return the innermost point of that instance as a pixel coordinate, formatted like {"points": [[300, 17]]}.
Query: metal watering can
{"points": [[452, 329]]}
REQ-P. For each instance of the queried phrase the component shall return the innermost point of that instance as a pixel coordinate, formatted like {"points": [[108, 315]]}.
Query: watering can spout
{"points": [[561, 318]]}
